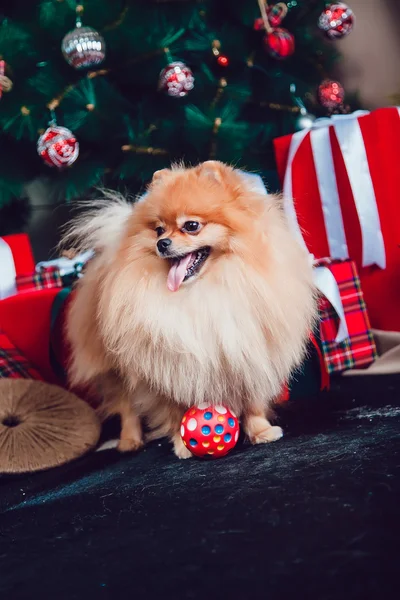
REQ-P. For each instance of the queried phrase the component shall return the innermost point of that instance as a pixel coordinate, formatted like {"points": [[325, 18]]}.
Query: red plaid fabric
{"points": [[45, 279], [13, 364], [359, 349]]}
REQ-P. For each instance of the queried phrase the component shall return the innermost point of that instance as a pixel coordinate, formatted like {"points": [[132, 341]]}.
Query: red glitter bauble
{"points": [[258, 24], [58, 147], [176, 80], [337, 20], [209, 431], [331, 94], [280, 43], [223, 60]]}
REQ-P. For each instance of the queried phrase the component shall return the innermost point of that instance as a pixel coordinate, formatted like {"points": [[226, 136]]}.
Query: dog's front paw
{"points": [[129, 445], [180, 449], [260, 431], [270, 434]]}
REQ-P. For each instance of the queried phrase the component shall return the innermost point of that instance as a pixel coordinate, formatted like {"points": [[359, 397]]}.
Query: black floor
{"points": [[313, 516]]}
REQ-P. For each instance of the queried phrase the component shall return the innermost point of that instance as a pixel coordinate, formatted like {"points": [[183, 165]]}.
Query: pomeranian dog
{"points": [[198, 294]]}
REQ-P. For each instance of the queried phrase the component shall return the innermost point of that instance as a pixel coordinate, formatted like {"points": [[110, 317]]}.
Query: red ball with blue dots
{"points": [[209, 431]]}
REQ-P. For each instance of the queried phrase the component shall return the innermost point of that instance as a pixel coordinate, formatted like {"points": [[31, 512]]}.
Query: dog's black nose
{"points": [[163, 245]]}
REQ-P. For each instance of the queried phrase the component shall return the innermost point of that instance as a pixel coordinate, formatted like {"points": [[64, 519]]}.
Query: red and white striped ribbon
{"points": [[351, 143]]}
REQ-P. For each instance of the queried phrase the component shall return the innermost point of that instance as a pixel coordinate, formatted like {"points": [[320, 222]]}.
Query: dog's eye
{"points": [[191, 227], [159, 231]]}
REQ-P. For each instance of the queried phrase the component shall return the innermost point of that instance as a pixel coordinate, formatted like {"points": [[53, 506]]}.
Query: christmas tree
{"points": [[243, 72]]}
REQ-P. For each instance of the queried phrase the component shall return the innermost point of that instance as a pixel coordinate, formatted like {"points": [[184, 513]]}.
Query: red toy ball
{"points": [[209, 431]]}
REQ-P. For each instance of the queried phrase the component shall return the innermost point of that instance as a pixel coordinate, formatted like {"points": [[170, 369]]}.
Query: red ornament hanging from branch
{"points": [[279, 42], [331, 95]]}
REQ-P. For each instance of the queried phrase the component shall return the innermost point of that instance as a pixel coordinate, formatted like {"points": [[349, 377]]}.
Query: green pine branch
{"points": [[126, 127]]}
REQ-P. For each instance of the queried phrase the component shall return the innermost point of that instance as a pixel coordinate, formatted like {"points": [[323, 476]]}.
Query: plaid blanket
{"points": [[359, 349], [13, 364]]}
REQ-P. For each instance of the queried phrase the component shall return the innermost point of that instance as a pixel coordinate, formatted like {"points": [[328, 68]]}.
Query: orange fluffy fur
{"points": [[231, 335]]}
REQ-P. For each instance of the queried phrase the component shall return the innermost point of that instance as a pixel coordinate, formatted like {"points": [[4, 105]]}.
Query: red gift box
{"points": [[34, 322], [26, 321], [358, 348], [344, 180], [16, 258], [12, 362]]}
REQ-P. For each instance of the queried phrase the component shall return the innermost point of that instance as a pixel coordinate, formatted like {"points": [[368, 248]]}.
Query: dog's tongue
{"points": [[177, 273]]}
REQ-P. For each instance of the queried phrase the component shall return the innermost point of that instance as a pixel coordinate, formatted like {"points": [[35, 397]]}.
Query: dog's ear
{"points": [[214, 169]]}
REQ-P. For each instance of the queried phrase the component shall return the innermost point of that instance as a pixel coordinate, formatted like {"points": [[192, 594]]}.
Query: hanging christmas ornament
{"points": [[337, 20], [279, 43], [5, 82], [58, 146], [258, 24], [305, 120], [176, 79], [331, 94], [275, 13], [83, 47], [222, 60]]}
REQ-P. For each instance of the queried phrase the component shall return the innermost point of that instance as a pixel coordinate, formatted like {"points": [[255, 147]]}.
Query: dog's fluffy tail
{"points": [[100, 226]]}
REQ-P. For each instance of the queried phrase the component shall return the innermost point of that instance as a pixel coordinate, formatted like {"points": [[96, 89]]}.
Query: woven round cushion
{"points": [[42, 426]]}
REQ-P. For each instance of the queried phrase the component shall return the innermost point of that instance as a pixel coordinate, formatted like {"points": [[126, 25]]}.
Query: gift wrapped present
{"points": [[18, 273], [16, 258], [70, 267], [343, 340], [25, 319], [345, 331], [343, 176], [12, 362], [42, 280], [34, 323]]}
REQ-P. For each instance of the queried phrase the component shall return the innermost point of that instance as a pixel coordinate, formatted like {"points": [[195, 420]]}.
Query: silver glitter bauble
{"points": [[305, 120], [83, 48], [58, 147], [337, 20], [176, 79]]}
